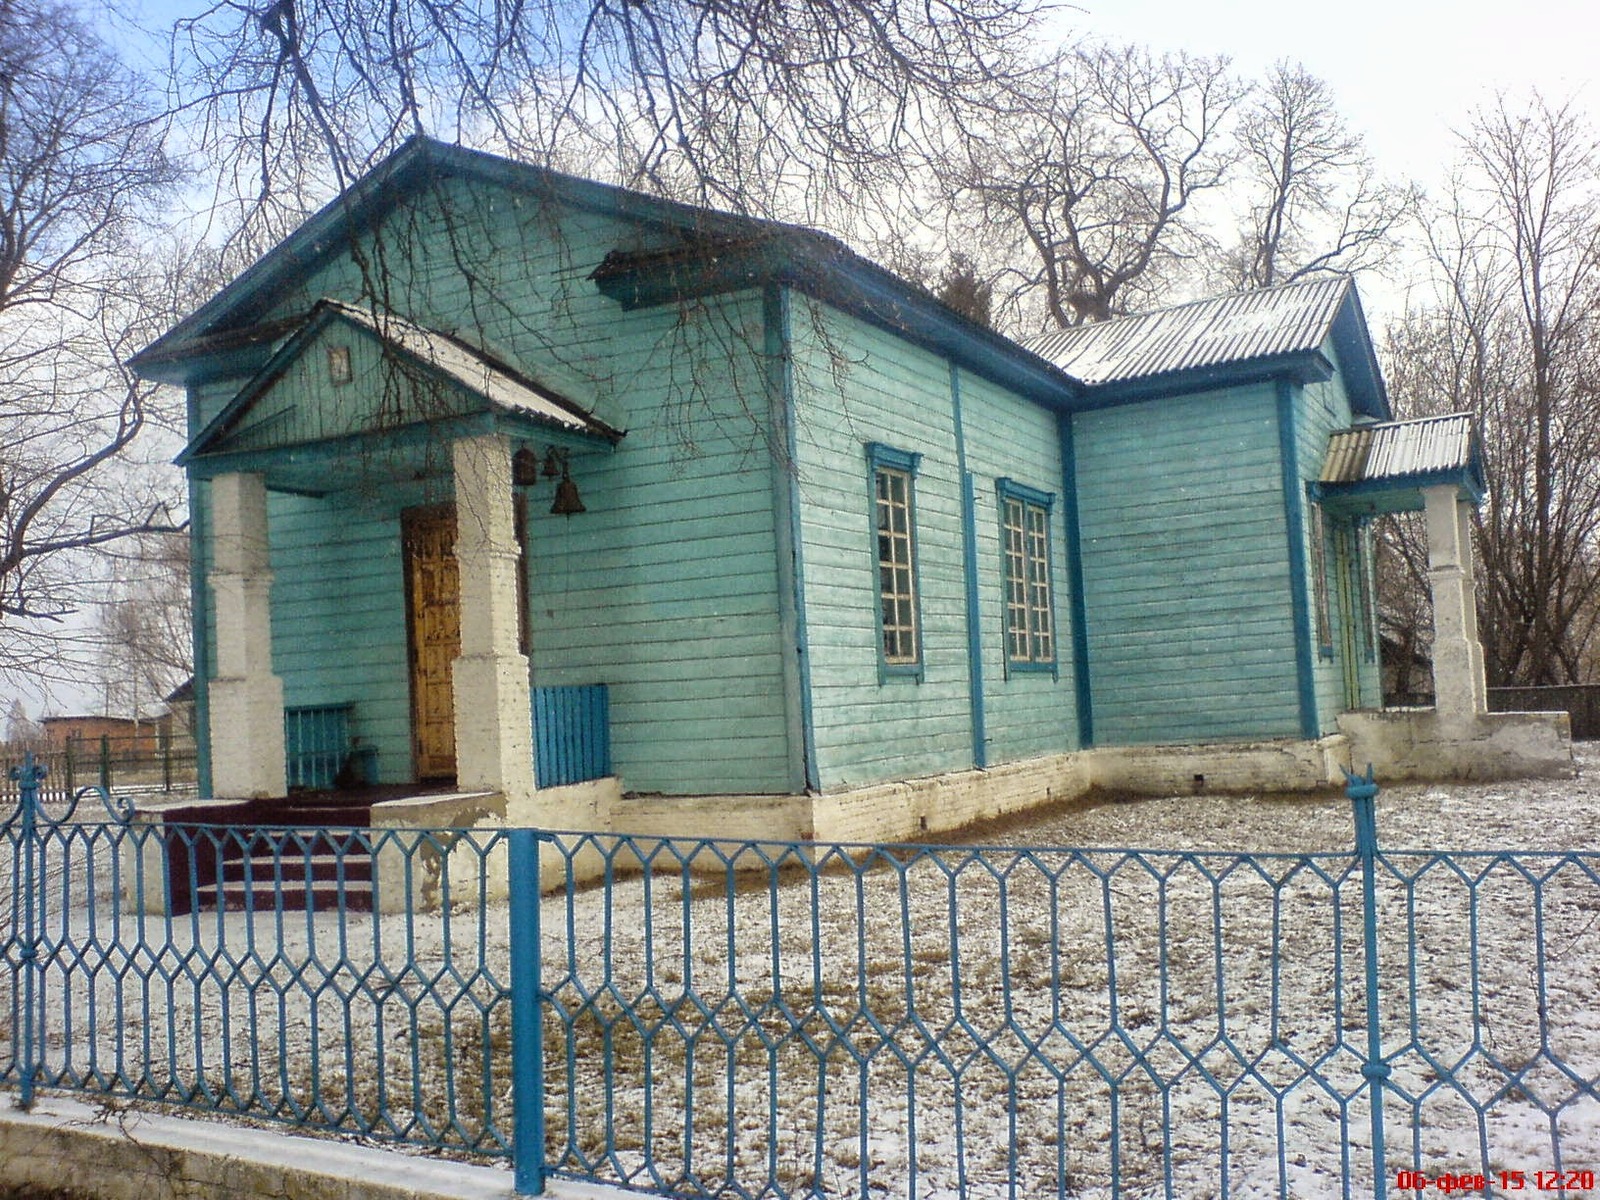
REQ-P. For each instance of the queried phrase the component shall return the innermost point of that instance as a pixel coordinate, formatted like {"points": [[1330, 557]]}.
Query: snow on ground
{"points": [[1180, 1022]]}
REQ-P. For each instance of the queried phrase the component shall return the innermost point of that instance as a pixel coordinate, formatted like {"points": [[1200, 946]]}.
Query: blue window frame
{"points": [[894, 531], [1030, 625]]}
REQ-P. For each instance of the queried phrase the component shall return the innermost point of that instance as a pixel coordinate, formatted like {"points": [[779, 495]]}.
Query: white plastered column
{"points": [[494, 717], [1458, 679], [245, 697]]}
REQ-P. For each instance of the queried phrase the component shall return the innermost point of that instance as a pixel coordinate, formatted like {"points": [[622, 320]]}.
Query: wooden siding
{"points": [[338, 611], [856, 384], [1186, 574], [1028, 713], [665, 589], [508, 275], [208, 399], [305, 405]]}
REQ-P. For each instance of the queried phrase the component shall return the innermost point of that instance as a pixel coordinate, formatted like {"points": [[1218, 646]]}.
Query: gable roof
{"points": [[327, 233], [771, 251], [496, 384], [1263, 328], [1206, 344]]}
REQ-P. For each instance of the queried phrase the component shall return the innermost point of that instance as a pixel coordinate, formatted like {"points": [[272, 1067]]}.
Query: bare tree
{"points": [[1316, 202], [22, 732], [1517, 341], [1092, 178], [81, 156], [721, 103], [144, 627]]}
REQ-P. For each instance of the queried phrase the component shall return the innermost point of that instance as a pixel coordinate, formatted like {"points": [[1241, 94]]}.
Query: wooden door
{"points": [[433, 610]]}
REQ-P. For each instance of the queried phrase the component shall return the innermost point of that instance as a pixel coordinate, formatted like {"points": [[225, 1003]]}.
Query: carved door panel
{"points": [[433, 608]]}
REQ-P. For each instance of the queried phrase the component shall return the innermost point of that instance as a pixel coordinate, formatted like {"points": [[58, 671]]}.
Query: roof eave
{"points": [[321, 315], [1367, 495], [300, 252], [384, 186], [1300, 366], [1363, 377], [826, 270]]}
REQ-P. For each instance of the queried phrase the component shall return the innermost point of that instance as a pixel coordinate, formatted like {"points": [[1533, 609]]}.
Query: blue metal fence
{"points": [[772, 1019]]}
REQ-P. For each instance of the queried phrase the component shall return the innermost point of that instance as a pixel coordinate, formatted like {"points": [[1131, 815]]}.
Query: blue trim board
{"points": [[969, 568], [1300, 366], [199, 566], [776, 336], [1354, 497], [1295, 528], [1010, 489], [1078, 605], [880, 456]]}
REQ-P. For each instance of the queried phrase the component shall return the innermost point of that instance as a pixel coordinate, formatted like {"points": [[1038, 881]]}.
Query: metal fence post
{"points": [[28, 777], [527, 1017], [1362, 791], [105, 762]]}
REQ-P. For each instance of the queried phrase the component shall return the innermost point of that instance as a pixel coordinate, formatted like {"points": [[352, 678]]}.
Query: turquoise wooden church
{"points": [[629, 514]]}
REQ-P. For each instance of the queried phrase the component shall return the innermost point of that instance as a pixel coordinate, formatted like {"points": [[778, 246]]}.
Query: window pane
{"points": [[896, 582], [1026, 531]]}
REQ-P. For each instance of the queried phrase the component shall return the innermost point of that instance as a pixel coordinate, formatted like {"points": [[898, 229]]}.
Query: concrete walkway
{"points": [[117, 1155]]}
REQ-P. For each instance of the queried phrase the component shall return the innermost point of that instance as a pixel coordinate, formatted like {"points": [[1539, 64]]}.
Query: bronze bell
{"points": [[567, 499], [555, 463], [524, 468]]}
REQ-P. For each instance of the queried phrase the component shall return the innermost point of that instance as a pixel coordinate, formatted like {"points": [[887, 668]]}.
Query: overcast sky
{"points": [[1405, 72]]}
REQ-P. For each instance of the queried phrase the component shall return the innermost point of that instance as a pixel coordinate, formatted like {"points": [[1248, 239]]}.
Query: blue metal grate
{"points": [[316, 744], [571, 734]]}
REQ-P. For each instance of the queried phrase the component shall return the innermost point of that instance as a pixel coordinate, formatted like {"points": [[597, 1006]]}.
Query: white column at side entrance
{"points": [[1458, 680], [246, 698], [494, 718]]}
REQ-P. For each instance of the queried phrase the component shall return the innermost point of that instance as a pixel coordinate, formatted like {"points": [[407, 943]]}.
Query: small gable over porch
{"points": [[358, 396], [1431, 465]]}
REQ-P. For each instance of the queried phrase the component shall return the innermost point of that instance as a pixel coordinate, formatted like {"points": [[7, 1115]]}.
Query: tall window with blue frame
{"points": [[894, 530], [1029, 599]]}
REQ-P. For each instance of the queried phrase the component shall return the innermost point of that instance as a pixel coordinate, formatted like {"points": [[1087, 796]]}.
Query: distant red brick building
{"points": [[126, 735]]}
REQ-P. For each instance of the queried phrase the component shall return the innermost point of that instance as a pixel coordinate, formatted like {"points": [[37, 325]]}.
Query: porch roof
{"points": [[484, 392], [1384, 467]]}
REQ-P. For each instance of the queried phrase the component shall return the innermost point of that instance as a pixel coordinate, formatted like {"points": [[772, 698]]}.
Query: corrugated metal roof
{"points": [[1248, 325], [1399, 449]]}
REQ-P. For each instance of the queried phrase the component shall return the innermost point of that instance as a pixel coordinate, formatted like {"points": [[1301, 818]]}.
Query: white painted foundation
{"points": [[1421, 744]]}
